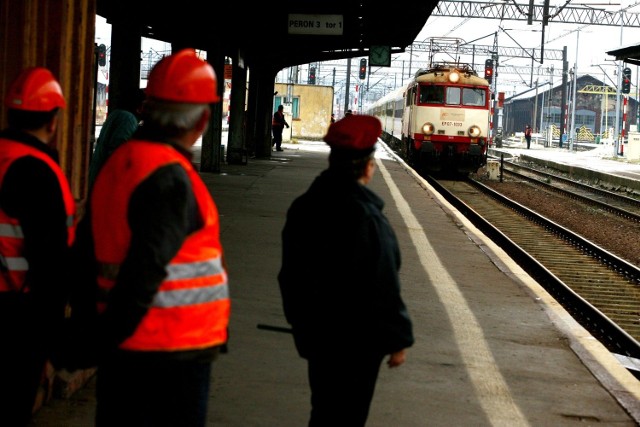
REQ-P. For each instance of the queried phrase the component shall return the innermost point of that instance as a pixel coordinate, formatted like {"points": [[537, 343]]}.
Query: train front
{"points": [[451, 117]]}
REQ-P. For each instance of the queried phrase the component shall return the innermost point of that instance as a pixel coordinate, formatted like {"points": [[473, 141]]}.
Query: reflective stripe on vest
{"points": [[191, 308], [9, 230], [13, 264], [180, 297]]}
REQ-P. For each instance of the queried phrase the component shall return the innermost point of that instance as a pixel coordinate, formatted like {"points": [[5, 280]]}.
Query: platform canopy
{"points": [[629, 54], [286, 32]]}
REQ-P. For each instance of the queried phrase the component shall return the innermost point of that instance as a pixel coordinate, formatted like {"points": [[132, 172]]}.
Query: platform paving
{"points": [[492, 347]]}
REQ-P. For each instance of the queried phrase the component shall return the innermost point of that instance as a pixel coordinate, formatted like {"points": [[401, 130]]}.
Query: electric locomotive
{"points": [[439, 122]]}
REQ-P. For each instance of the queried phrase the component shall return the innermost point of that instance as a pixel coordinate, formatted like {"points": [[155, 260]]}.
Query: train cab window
{"points": [[473, 97], [453, 96], [410, 96], [431, 94]]}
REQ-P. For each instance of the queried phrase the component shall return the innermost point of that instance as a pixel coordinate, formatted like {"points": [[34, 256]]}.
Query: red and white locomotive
{"points": [[439, 122]]}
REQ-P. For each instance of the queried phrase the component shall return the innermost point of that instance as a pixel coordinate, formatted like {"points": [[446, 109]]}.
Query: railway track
{"points": [[608, 201], [599, 289]]}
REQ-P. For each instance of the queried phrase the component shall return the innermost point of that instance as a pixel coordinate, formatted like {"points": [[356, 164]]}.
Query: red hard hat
{"points": [[35, 89], [183, 77]]}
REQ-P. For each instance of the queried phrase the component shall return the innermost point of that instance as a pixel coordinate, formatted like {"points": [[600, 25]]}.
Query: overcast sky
{"points": [[590, 42]]}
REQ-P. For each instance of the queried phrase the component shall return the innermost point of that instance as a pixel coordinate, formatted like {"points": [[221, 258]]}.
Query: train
{"points": [[440, 121]]}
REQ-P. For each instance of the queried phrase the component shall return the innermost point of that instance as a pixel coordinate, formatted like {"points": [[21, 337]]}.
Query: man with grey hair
{"points": [[152, 241]]}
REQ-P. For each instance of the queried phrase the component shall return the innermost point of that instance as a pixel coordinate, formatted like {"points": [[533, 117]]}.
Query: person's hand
{"points": [[397, 358], [287, 126]]}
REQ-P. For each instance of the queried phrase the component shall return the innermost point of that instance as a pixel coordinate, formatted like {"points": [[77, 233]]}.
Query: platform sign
{"points": [[317, 25]]}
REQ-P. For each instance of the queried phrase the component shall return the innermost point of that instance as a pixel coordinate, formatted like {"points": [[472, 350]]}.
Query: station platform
{"points": [[594, 162], [492, 347]]}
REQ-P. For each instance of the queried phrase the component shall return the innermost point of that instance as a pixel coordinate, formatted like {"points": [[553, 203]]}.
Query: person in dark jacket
{"points": [[37, 223], [339, 279], [277, 126], [151, 242]]}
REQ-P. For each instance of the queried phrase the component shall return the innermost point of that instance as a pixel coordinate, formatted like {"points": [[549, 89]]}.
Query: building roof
{"points": [[629, 54], [544, 87]]}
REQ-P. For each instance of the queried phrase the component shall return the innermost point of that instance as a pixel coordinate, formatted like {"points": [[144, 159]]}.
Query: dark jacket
{"points": [[31, 192], [339, 277], [118, 128]]}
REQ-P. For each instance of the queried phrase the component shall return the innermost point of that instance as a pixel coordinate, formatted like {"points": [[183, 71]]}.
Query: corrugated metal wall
{"points": [[59, 35]]}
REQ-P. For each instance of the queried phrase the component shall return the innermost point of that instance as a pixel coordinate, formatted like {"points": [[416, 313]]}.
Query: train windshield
{"points": [[452, 95], [431, 94], [467, 96]]}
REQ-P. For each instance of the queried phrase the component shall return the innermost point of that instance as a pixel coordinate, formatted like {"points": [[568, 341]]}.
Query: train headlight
{"points": [[428, 128], [474, 131], [454, 76]]}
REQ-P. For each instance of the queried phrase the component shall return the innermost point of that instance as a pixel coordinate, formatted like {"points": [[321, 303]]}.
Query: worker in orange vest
{"points": [[527, 135], [277, 126], [163, 298], [37, 227]]}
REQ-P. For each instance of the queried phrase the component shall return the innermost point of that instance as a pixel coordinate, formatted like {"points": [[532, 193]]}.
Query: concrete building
{"points": [[307, 109], [595, 112]]}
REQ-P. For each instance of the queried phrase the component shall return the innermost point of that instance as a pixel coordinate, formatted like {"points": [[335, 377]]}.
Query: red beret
{"points": [[354, 132]]}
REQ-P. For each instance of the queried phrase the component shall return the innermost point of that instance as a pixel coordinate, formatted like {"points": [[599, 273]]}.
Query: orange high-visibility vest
{"points": [[14, 263], [192, 306], [275, 122]]}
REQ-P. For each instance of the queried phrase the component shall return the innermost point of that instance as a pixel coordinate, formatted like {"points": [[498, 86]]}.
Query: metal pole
{"points": [[637, 108], [535, 111], [410, 59], [542, 123], [549, 116], [92, 138], [572, 132], [347, 84], [624, 124], [564, 95], [617, 124]]}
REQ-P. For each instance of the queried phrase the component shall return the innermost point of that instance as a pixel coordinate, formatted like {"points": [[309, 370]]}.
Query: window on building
{"points": [[586, 118], [295, 105]]}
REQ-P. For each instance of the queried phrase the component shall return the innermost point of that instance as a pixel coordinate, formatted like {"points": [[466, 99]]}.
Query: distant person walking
{"points": [[527, 135], [339, 279], [277, 126], [37, 223]]}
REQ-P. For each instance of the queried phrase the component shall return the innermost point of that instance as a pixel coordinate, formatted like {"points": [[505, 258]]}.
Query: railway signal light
{"points": [[312, 75], [626, 80], [102, 55], [363, 69], [488, 70]]}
